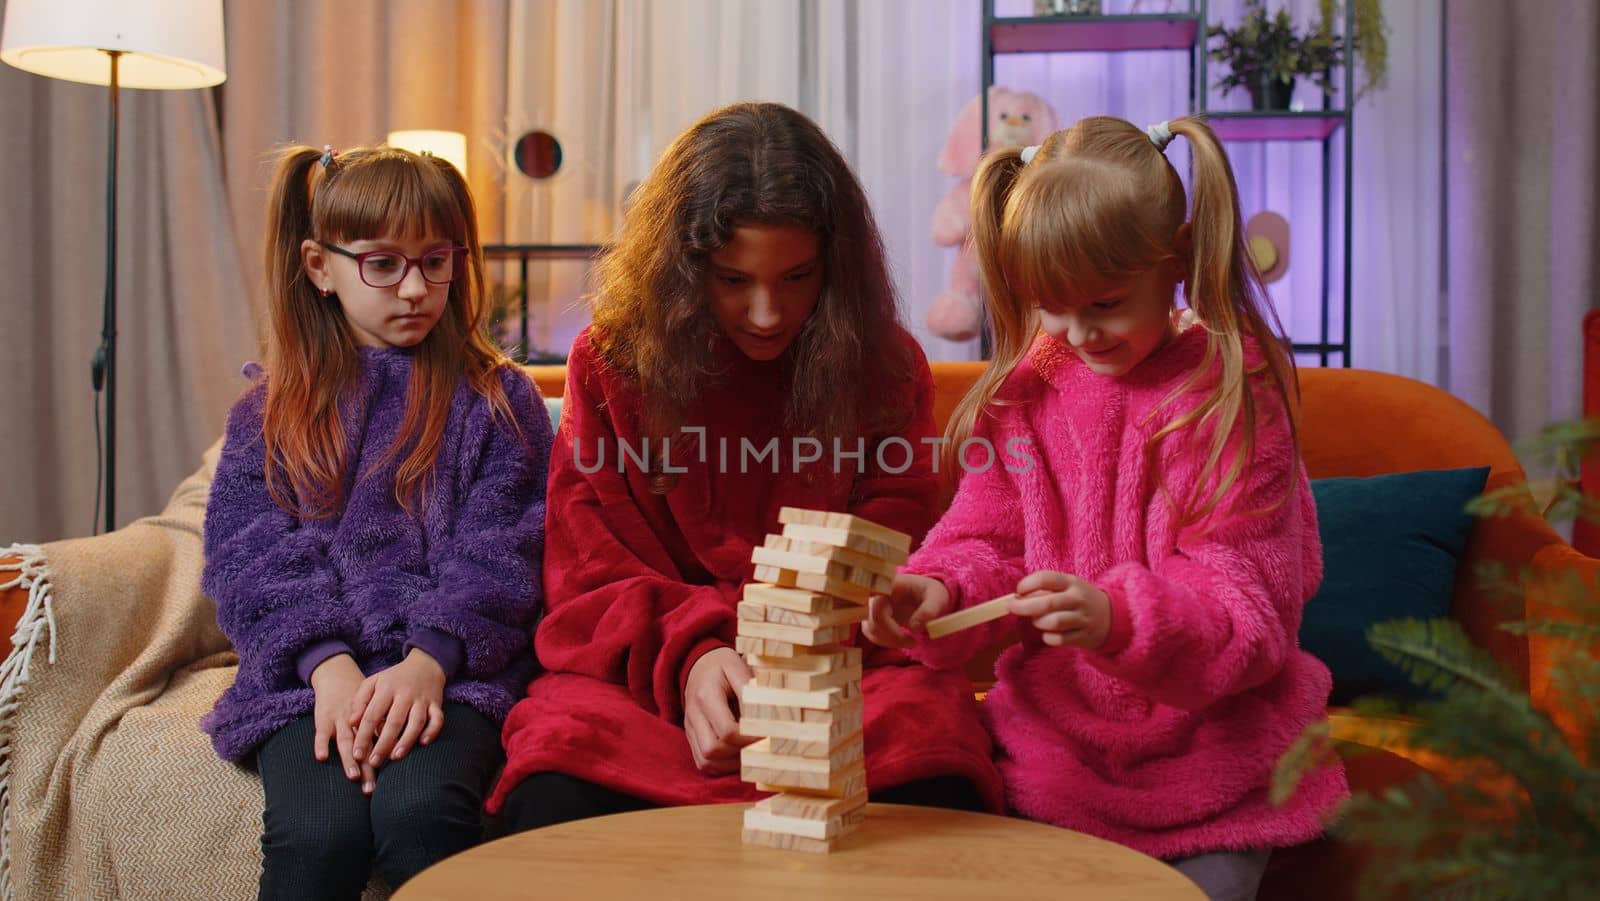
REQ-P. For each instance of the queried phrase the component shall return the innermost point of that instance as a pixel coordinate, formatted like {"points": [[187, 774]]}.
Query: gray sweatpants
{"points": [[1226, 875]]}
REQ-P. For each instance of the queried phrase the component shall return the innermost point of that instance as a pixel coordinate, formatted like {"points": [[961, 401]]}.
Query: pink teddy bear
{"points": [[1016, 119]]}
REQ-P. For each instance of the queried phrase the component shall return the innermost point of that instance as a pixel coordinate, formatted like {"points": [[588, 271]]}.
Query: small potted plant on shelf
{"points": [[1066, 7], [1265, 54]]}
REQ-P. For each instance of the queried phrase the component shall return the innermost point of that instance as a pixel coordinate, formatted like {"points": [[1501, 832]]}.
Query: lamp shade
{"points": [[450, 146], [168, 44]]}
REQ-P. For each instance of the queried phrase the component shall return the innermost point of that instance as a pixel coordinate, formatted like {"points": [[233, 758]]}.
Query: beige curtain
{"points": [[348, 73], [179, 335], [1522, 204], [193, 178]]}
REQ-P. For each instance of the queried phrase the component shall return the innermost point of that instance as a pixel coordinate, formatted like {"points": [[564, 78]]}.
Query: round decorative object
{"points": [[1267, 237], [1263, 254], [538, 154]]}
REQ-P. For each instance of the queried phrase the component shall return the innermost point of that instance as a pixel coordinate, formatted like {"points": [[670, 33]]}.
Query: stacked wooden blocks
{"points": [[805, 698]]}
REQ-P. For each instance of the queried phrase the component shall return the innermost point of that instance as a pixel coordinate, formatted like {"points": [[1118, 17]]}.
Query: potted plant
{"points": [[1522, 821], [1265, 54]]}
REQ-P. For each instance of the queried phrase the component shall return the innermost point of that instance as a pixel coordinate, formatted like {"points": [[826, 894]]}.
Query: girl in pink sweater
{"points": [[1137, 485]]}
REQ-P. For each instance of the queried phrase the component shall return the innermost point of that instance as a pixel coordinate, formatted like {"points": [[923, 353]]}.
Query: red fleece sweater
{"points": [[639, 585]]}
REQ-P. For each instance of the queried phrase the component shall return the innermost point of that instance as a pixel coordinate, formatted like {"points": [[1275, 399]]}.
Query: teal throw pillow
{"points": [[1390, 546]]}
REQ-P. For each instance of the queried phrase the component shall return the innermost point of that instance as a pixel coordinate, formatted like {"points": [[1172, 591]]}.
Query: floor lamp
{"points": [[160, 44]]}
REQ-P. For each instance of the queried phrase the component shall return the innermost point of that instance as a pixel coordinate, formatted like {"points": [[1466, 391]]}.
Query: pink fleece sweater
{"points": [[1164, 738]]}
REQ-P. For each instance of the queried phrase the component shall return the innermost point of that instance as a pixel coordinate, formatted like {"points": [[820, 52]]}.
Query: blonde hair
{"points": [[312, 358], [1100, 199]]}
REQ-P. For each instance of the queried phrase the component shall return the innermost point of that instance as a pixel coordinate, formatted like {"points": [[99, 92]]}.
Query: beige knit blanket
{"points": [[107, 785]]}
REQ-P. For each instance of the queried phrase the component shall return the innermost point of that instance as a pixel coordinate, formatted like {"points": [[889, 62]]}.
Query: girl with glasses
{"points": [[375, 529]]}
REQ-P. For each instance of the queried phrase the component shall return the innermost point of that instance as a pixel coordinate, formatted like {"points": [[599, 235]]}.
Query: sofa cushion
{"points": [[552, 405], [1390, 547]]}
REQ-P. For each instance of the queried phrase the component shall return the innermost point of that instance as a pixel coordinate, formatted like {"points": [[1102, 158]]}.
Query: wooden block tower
{"points": [[805, 698]]}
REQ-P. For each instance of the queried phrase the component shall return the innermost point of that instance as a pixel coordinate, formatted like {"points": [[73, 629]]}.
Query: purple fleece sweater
{"points": [[462, 582]]}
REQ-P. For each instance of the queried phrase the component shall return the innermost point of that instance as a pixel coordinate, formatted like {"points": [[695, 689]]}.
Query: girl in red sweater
{"points": [[744, 355]]}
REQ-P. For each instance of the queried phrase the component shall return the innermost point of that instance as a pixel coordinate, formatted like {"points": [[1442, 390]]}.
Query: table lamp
{"points": [[450, 146]]}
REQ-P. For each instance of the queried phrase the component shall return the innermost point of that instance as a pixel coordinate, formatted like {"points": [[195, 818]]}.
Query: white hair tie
{"points": [[1028, 153], [1160, 135]]}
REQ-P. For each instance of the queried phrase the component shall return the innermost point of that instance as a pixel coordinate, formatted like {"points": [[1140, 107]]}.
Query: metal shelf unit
{"points": [[1187, 31]]}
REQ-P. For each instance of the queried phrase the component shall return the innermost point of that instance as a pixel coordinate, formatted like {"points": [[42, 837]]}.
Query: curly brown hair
{"points": [[751, 164]]}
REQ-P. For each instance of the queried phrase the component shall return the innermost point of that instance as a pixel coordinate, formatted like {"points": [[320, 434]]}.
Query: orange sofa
{"points": [[1354, 423]]}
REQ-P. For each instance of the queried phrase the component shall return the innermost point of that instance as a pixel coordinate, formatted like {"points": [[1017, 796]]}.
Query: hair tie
{"points": [[327, 155], [1160, 135], [1028, 153]]}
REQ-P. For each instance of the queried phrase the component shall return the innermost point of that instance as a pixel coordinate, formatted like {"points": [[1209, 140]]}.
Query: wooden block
{"points": [[813, 715], [833, 554], [846, 614], [811, 807], [972, 616], [844, 539], [830, 725], [766, 556], [771, 678], [814, 829], [785, 842], [800, 747], [825, 699], [852, 781], [867, 578], [799, 773], [837, 760], [852, 524], [798, 680], [854, 784], [796, 599], [870, 580], [839, 589], [818, 660], [836, 754], [760, 713], [759, 707], [767, 648], [761, 817], [796, 635], [790, 722]]}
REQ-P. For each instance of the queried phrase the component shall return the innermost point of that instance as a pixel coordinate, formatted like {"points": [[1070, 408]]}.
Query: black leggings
{"points": [[321, 835], [545, 799]]}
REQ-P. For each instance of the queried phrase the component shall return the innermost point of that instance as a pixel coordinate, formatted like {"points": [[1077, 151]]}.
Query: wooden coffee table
{"points": [[920, 853]]}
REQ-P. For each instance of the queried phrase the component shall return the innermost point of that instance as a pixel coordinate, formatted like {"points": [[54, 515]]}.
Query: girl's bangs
{"points": [[1074, 221], [391, 195]]}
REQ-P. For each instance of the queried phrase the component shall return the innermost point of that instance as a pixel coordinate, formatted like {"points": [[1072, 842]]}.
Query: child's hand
{"points": [[335, 682], [913, 601], [406, 701], [1067, 609], [708, 718]]}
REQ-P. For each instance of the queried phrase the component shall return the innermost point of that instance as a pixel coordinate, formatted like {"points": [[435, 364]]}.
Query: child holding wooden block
{"points": [[746, 304], [1163, 545]]}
